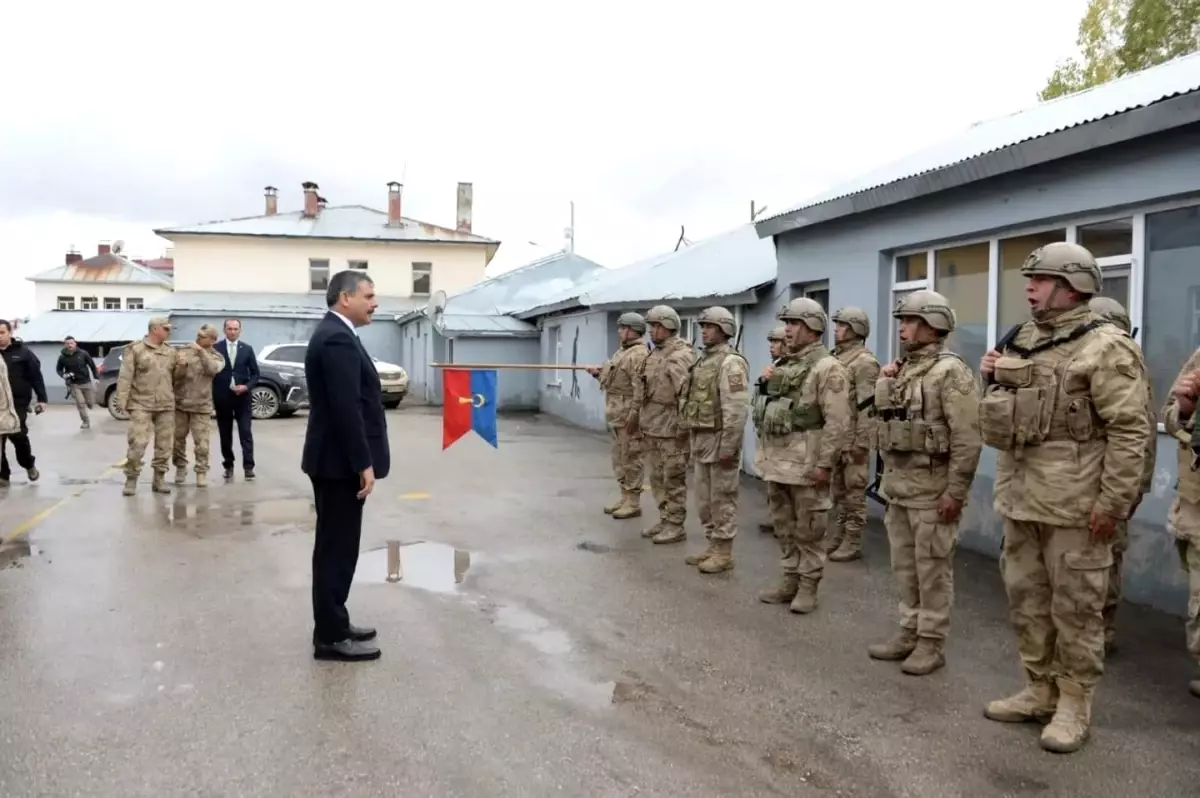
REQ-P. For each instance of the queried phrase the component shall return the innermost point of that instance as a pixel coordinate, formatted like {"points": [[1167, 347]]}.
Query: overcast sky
{"points": [[121, 116]]}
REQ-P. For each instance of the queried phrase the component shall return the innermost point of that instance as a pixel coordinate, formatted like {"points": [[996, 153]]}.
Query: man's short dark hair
{"points": [[346, 281], [69, 338], [6, 324], [225, 323]]}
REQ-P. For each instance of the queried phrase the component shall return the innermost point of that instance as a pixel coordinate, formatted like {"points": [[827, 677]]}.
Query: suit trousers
{"points": [[229, 409], [335, 554]]}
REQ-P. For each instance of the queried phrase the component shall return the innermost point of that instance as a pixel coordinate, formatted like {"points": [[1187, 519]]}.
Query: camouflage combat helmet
{"points": [[1073, 263], [1111, 310], [778, 334], [804, 310], [721, 318], [855, 318], [664, 315], [633, 321], [929, 306]]}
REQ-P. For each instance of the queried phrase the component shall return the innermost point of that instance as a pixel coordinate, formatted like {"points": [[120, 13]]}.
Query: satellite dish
{"points": [[437, 304], [118, 247]]}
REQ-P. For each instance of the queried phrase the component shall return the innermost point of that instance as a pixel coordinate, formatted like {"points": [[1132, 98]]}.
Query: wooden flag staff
{"points": [[539, 366]]}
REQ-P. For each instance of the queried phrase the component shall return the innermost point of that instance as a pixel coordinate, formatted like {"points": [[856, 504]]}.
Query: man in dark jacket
{"points": [[77, 369], [25, 377]]}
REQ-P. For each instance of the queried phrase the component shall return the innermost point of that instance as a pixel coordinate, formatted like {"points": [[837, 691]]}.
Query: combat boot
{"points": [[899, 647], [805, 600], [701, 556], [201, 480], [1035, 702], [159, 485], [609, 509], [1068, 730], [180, 475], [721, 559], [832, 542], [630, 506], [130, 486], [849, 549], [785, 592], [670, 534], [925, 659], [653, 531]]}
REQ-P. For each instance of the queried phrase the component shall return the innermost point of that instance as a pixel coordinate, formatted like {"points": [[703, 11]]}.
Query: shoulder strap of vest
{"points": [[1045, 346]]}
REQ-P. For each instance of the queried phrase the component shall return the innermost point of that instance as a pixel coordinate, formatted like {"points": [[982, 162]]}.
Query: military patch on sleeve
{"points": [[836, 383], [1127, 370], [736, 382], [964, 382]]}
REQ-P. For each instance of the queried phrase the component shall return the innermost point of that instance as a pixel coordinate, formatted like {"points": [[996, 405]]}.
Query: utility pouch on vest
{"points": [[931, 438], [1080, 425], [777, 420], [996, 411], [1029, 407], [883, 393], [807, 417], [899, 435], [1013, 372]]}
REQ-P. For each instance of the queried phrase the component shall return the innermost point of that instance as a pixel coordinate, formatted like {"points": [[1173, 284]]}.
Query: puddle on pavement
{"points": [[421, 564], [15, 553], [278, 514], [534, 630]]}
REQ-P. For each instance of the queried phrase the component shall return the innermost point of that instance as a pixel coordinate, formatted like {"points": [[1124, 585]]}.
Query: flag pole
{"points": [[539, 366]]}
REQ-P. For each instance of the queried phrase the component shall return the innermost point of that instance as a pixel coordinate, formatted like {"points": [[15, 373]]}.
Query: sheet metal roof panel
{"points": [[1180, 76], [115, 270], [479, 324], [86, 325], [535, 284]]}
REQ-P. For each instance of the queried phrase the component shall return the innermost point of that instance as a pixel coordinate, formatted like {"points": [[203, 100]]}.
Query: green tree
{"points": [[1117, 37]]}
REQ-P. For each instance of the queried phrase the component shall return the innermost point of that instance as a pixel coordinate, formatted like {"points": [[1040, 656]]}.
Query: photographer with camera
{"points": [[25, 379], [77, 369]]}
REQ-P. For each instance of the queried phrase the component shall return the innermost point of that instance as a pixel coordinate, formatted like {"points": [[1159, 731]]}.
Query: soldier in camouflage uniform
{"points": [[146, 391], [777, 345], [1065, 409], [716, 401], [195, 368], [927, 426], [1112, 311], [617, 379], [1183, 520], [665, 444], [806, 424], [852, 326]]}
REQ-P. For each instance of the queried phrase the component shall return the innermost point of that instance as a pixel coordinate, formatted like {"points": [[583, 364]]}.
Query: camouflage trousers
{"points": [[1057, 581], [1184, 522], [142, 425], [923, 564], [800, 514], [717, 500], [667, 461], [200, 427], [627, 460], [1112, 599], [85, 397], [849, 485]]}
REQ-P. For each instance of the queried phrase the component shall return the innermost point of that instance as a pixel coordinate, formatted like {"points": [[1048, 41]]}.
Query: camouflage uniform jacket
{"points": [[864, 371], [656, 394], [715, 403], [1188, 487], [194, 372], [806, 420], [618, 378], [147, 377], [927, 426], [1066, 411], [10, 422]]}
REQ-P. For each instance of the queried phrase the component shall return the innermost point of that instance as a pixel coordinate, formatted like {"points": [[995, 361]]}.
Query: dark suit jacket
{"points": [[347, 430], [244, 371]]}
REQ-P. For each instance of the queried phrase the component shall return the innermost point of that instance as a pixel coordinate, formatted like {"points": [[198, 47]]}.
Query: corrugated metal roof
{"points": [[525, 287], [726, 264], [108, 268], [86, 325], [305, 305], [475, 324], [338, 221], [1180, 76]]}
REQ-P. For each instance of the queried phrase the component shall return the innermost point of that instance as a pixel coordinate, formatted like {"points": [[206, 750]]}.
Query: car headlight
{"points": [[287, 375]]}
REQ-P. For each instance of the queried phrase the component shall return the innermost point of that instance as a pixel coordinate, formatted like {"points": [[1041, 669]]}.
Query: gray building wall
{"points": [[587, 339], [415, 356], [855, 256], [517, 389], [380, 338]]}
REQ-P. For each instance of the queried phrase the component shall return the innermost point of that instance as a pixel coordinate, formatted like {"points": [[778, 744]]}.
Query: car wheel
{"points": [[111, 402], [264, 402], [391, 404]]}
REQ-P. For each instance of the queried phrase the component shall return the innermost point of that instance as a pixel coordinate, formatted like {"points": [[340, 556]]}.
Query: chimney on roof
{"points": [[272, 195], [466, 199], [320, 203], [310, 199], [73, 256], [394, 192], [104, 249]]}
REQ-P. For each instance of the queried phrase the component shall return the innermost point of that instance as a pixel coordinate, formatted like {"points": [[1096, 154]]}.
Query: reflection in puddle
{"points": [[534, 629], [185, 512], [420, 564]]}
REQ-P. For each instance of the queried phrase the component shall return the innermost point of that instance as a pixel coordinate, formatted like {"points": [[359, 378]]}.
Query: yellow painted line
{"points": [[416, 495], [30, 523]]}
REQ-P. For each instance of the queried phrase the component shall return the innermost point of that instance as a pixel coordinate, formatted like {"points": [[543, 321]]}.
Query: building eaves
{"points": [[269, 304], [532, 285], [472, 325], [107, 269], [88, 326], [1140, 104]]}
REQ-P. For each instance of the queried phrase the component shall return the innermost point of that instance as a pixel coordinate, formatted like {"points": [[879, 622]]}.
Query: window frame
{"points": [[135, 303], [427, 268], [554, 341], [115, 301], [314, 266], [64, 303], [350, 264], [95, 303]]}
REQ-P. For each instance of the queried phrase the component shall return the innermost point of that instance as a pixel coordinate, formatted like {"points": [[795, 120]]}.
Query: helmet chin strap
{"points": [[1048, 311]]}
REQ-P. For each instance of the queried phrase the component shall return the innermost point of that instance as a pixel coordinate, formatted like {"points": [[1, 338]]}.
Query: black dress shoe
{"points": [[346, 650], [228, 473], [361, 632], [250, 474]]}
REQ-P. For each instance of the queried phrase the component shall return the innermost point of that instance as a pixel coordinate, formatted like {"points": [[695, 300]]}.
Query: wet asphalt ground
{"points": [[161, 645]]}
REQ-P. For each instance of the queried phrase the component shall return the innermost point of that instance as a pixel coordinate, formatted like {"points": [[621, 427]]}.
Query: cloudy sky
{"points": [[649, 115]]}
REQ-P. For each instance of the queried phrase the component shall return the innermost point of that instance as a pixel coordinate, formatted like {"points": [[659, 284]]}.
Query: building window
{"points": [[1013, 308], [358, 265], [911, 267], [89, 303], [112, 303], [1107, 239], [134, 303], [66, 303], [422, 277], [318, 274], [961, 275], [1172, 289]]}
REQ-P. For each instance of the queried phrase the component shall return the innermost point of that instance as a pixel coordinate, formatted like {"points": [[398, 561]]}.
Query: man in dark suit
{"points": [[231, 397], [345, 451]]}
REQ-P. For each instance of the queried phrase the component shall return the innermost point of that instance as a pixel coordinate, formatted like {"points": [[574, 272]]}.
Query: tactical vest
{"points": [[615, 380], [1027, 403], [903, 426], [700, 406], [783, 410]]}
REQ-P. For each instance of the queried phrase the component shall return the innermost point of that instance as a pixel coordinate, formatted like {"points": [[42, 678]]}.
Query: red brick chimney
{"points": [[272, 195], [465, 201], [73, 256], [394, 193], [310, 199], [104, 249]]}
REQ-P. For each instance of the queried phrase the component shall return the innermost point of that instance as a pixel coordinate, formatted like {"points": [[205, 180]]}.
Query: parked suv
{"points": [[393, 379], [280, 391]]}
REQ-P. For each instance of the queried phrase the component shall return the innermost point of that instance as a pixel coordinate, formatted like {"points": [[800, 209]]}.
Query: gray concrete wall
{"points": [[517, 388], [584, 339], [854, 255], [415, 357]]}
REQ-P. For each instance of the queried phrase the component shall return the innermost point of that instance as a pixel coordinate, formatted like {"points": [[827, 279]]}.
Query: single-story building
{"points": [[1115, 168]]}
